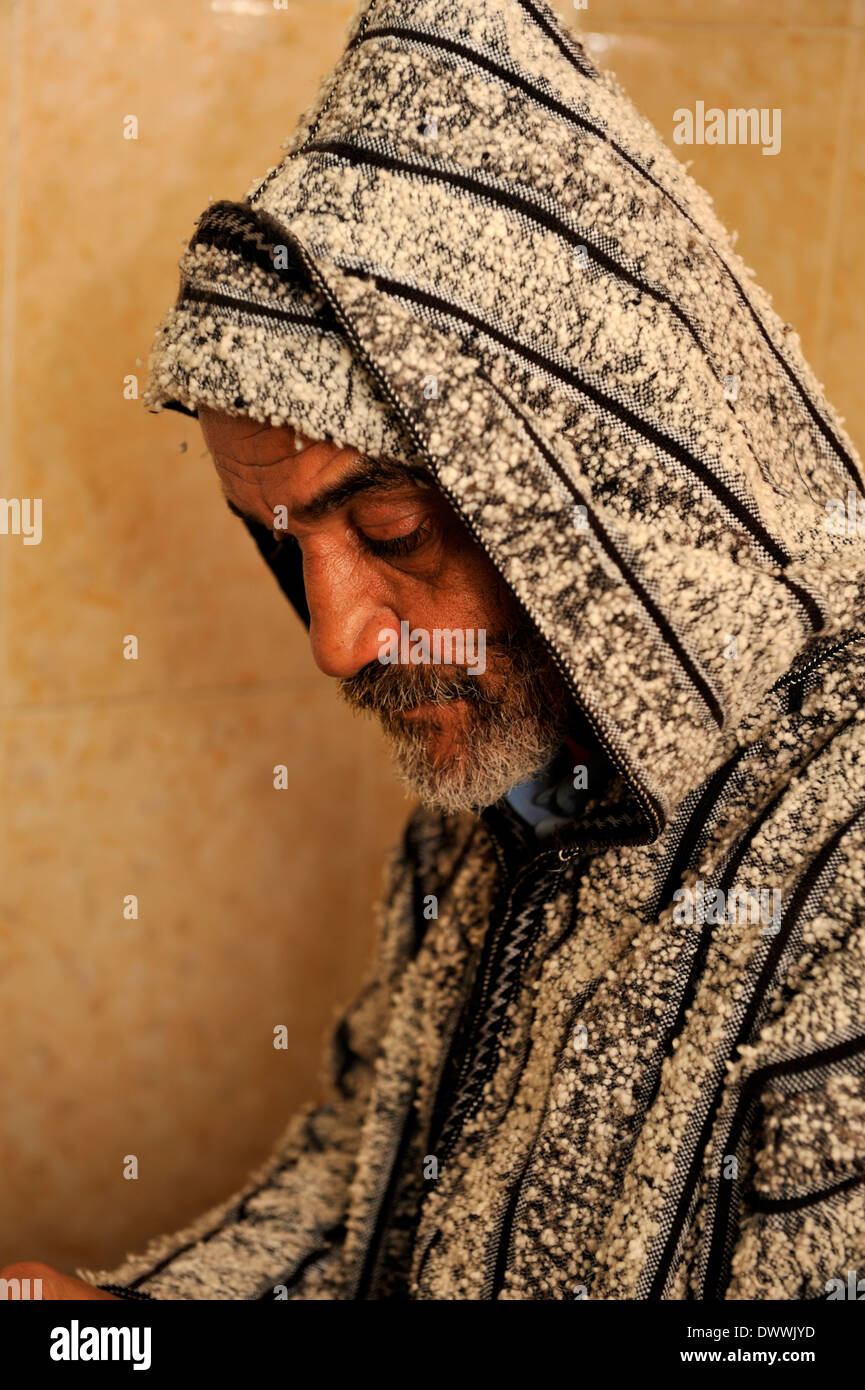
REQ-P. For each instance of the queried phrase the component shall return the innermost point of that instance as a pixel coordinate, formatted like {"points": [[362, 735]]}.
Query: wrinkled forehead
{"points": [[263, 466], [249, 443]]}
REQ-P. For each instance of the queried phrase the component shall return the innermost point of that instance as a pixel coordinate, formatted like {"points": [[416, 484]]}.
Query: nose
{"points": [[347, 611]]}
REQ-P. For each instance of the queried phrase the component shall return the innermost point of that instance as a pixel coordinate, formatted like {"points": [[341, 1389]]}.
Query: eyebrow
{"points": [[366, 474]]}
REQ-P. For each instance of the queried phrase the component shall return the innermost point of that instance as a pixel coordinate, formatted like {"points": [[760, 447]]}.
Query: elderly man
{"points": [[478, 356]]}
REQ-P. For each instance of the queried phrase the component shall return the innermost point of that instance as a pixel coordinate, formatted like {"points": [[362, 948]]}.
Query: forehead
{"points": [[248, 443], [267, 464]]}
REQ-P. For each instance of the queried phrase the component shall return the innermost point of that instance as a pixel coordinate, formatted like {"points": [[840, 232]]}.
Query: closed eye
{"points": [[392, 548], [397, 546]]}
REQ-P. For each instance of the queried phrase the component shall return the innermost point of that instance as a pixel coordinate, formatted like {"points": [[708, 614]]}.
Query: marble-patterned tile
{"points": [[841, 357], [778, 14], [10, 104], [154, 1035], [10, 97]]}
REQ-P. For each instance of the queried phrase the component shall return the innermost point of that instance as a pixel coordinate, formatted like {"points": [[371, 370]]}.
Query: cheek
{"points": [[481, 592]]}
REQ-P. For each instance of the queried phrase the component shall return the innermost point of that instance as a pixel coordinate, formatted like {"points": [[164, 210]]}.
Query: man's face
{"points": [[381, 546]]}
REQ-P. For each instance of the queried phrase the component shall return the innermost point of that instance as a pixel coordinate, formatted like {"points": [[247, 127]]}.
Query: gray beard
{"points": [[486, 766], [500, 741]]}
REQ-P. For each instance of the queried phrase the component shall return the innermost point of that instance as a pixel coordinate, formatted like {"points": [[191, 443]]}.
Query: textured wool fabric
{"points": [[627, 1061]]}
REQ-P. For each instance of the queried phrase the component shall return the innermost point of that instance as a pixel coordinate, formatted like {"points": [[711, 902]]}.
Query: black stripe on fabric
{"points": [[825, 1057], [750, 1094], [463, 50], [331, 1235], [431, 1244], [698, 959], [795, 696], [411, 856], [175, 1254], [803, 888], [771, 1204], [695, 826], [658, 618], [564, 43], [806, 882], [357, 154], [728, 499], [230, 1218], [731, 868], [803, 666], [384, 1215], [419, 922], [249, 306], [566, 112], [810, 605]]}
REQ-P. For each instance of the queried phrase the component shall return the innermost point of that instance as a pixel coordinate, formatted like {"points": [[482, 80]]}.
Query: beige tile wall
{"points": [[153, 777]]}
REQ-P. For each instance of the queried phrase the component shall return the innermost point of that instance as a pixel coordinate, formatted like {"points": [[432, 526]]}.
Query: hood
{"points": [[477, 255]]}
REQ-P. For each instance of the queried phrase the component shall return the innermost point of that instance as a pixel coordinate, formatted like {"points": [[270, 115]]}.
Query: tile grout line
{"points": [[632, 27], [168, 695]]}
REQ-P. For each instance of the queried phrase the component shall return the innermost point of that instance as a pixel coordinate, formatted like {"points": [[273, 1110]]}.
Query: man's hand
{"points": [[54, 1284]]}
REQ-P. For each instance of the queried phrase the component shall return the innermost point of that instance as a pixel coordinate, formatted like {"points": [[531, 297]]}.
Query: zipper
{"points": [[432, 1241], [492, 937], [503, 1227], [499, 1262], [370, 1231], [376, 1217], [615, 756], [368, 1280], [465, 1096], [794, 677], [502, 1235], [464, 996]]}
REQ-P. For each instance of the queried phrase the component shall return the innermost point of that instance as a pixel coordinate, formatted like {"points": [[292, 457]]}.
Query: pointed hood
{"points": [[476, 255]]}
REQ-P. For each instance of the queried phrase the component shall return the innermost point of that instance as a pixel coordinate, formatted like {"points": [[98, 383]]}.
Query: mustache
{"points": [[389, 689]]}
